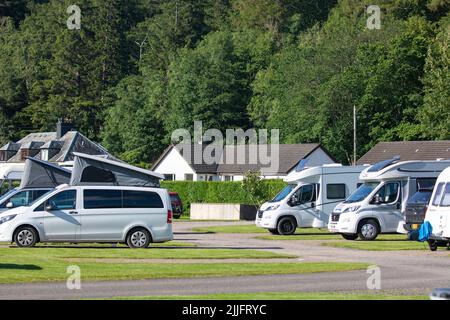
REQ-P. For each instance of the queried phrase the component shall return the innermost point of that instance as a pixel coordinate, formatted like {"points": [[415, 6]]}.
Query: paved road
{"points": [[415, 272]]}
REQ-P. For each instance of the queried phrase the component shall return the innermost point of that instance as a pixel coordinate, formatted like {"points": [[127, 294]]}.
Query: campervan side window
{"points": [[141, 199], [102, 199], [446, 198], [336, 191], [438, 194]]}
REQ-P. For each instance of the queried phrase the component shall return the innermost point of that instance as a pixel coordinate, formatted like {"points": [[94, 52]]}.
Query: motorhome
{"points": [[105, 201], [438, 213], [377, 205], [309, 198]]}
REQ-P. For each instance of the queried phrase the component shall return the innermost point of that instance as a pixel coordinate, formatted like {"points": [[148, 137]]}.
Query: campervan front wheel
{"points": [[25, 237], [286, 226]]}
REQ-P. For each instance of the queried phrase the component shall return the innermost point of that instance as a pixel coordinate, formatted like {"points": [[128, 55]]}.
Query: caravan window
{"points": [[446, 198], [438, 194], [336, 191], [102, 199]]}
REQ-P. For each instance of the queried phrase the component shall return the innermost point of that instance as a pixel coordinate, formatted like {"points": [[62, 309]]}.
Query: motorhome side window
{"points": [[425, 183], [445, 202], [65, 200], [336, 191], [438, 194], [388, 193]]}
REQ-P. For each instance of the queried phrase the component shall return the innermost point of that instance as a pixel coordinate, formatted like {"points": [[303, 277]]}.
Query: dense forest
{"points": [[138, 69]]}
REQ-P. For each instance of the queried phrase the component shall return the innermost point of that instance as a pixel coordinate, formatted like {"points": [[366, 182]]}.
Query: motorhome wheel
{"points": [[286, 226], [347, 236], [368, 230]]}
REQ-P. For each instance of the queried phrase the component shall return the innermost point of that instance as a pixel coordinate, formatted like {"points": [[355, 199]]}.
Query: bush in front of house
{"points": [[220, 191]]}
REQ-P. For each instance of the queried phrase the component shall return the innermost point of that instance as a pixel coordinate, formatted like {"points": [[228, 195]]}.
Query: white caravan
{"points": [[438, 213], [309, 198], [377, 205]]}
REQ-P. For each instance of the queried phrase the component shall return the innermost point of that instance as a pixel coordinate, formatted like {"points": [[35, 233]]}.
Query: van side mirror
{"points": [[10, 205], [49, 207], [313, 205], [376, 199]]}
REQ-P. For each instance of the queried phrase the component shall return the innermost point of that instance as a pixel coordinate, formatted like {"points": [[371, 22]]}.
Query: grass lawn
{"points": [[379, 245], [104, 245], [38, 265], [282, 296]]}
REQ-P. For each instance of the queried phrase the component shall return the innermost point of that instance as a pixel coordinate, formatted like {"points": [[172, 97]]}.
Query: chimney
{"points": [[62, 127]]}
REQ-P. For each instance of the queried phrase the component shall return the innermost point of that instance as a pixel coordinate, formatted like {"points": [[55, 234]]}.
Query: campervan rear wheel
{"points": [[286, 226], [368, 230], [25, 237], [138, 238], [347, 236]]}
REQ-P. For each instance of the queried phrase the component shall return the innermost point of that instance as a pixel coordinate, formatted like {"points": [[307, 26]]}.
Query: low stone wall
{"points": [[222, 211]]}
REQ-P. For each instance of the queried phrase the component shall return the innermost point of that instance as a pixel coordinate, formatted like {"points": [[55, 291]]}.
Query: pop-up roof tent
{"points": [[94, 170], [43, 174]]}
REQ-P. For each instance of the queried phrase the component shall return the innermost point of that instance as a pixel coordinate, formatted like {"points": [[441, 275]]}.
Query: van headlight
{"points": [[351, 209], [7, 218], [274, 207]]}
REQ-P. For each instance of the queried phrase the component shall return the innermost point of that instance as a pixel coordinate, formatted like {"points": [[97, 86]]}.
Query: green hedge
{"points": [[218, 192]]}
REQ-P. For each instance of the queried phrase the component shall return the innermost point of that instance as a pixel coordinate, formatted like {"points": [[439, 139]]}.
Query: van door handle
{"points": [[73, 212]]}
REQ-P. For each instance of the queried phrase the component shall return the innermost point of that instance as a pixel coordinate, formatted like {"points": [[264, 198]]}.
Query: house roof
{"points": [[289, 157], [407, 150], [72, 141]]}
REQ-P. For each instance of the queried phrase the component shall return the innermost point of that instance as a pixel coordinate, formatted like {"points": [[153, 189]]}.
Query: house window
{"points": [[3, 156], [169, 177], [189, 177], [228, 178], [44, 154]]}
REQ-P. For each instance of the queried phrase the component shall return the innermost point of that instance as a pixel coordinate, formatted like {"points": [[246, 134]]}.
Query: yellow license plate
{"points": [[415, 226]]}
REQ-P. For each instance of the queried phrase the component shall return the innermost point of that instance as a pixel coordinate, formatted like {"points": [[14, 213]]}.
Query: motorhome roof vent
{"points": [[383, 164]]}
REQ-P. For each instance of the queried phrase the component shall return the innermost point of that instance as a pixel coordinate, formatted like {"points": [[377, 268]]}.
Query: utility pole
{"points": [[354, 135]]}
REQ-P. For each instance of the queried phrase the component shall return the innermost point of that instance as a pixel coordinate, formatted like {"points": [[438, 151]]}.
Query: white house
{"points": [[230, 165]]}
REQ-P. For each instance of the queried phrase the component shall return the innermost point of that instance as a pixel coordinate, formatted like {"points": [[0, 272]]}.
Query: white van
{"points": [[308, 199], [377, 205], [133, 215], [439, 211]]}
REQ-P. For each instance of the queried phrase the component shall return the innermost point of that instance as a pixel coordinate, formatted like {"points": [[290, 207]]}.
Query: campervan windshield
{"points": [[284, 193], [362, 192]]}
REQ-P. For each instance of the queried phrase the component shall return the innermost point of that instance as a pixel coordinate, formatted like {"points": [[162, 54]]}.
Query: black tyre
{"points": [[274, 231], [286, 226], [433, 245], [138, 238], [25, 237], [347, 236], [368, 230]]}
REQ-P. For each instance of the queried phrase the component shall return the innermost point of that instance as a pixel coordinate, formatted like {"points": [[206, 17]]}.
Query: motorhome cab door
{"points": [[303, 204], [387, 204]]}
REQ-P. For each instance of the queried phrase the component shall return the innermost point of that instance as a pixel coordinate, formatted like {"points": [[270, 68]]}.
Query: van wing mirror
{"points": [[376, 199], [10, 205], [49, 207]]}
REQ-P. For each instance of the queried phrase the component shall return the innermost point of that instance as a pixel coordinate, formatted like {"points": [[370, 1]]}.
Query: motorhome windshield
{"points": [[284, 193], [362, 192]]}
